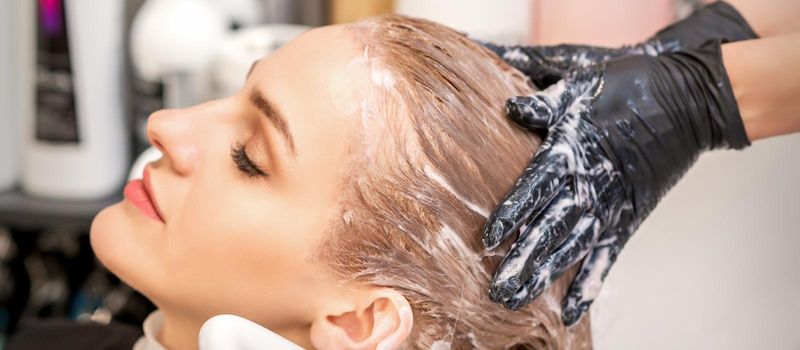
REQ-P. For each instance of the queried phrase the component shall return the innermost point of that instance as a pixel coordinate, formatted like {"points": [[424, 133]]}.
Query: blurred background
{"points": [[715, 266]]}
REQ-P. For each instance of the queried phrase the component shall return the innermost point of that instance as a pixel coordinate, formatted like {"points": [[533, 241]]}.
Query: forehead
{"points": [[304, 79], [313, 82], [332, 75]]}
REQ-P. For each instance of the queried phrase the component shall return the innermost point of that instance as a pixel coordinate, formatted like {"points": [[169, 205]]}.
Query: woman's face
{"points": [[233, 239]]}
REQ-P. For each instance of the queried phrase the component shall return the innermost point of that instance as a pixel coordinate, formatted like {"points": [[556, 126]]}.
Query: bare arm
{"points": [[770, 18], [765, 77]]}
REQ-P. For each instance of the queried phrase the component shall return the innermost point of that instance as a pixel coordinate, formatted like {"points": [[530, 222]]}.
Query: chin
{"points": [[122, 240]]}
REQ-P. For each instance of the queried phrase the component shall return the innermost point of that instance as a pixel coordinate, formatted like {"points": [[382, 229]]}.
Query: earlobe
{"points": [[381, 320]]}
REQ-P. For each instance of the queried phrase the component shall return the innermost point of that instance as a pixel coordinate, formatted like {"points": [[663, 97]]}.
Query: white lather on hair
{"points": [[435, 176]]}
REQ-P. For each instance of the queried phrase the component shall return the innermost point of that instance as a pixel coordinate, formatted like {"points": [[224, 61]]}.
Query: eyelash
{"points": [[245, 164]]}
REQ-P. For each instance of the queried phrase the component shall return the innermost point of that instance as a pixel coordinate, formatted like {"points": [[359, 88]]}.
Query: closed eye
{"points": [[245, 164]]}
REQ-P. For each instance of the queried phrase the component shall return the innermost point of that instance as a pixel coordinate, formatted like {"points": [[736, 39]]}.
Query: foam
{"points": [[441, 345], [382, 78], [515, 54], [435, 176]]}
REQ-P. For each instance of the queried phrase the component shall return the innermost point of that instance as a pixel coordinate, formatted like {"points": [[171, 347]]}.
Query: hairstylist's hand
{"points": [[618, 138], [547, 64]]}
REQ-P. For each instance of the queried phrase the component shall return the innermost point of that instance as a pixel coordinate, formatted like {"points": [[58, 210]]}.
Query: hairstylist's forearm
{"points": [[769, 18], [765, 78]]}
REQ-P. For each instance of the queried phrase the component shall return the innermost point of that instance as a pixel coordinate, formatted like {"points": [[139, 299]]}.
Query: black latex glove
{"points": [[619, 137], [547, 64]]}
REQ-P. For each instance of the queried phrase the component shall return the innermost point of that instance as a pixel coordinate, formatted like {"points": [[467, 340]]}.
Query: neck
{"points": [[298, 335], [179, 331]]}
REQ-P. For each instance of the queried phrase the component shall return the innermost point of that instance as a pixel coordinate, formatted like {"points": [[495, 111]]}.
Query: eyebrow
{"points": [[269, 110]]}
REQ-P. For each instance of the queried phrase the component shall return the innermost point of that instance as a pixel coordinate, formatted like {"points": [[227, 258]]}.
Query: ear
{"points": [[380, 320]]}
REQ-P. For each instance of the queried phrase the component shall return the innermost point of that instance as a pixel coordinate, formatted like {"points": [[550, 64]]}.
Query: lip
{"points": [[148, 186], [140, 194]]}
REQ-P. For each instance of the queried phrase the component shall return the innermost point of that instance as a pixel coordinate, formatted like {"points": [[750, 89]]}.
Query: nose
{"points": [[173, 133]]}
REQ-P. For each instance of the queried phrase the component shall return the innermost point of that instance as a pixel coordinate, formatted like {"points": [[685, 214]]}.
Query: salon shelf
{"points": [[25, 212]]}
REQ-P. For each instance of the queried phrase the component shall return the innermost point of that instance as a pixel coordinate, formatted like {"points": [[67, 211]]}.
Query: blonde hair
{"points": [[414, 207]]}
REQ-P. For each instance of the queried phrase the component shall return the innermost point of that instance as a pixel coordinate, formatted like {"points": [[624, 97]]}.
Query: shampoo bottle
{"points": [[75, 142], [8, 115], [16, 70]]}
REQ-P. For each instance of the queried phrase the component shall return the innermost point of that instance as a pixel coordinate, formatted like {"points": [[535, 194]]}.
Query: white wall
{"points": [[717, 264], [504, 21]]}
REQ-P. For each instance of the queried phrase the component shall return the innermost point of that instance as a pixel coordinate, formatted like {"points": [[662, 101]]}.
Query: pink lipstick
{"points": [[137, 192]]}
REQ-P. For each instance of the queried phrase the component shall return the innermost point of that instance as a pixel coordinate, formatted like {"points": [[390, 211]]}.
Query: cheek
{"points": [[231, 248], [236, 229]]}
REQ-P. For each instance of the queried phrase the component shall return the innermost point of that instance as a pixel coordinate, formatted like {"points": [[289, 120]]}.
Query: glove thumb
{"points": [[544, 109]]}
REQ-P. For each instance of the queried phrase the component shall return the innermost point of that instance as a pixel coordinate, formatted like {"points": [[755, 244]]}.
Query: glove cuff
{"points": [[719, 21], [724, 117]]}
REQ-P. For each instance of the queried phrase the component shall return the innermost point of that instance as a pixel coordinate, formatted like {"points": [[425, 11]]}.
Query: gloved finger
{"points": [[544, 109], [587, 283], [574, 249], [537, 185], [498, 50], [539, 239], [544, 65]]}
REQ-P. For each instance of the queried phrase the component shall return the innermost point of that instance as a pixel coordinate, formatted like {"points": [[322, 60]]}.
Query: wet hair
{"points": [[439, 156]]}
